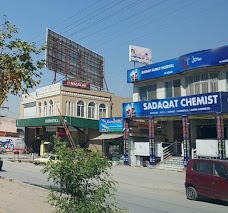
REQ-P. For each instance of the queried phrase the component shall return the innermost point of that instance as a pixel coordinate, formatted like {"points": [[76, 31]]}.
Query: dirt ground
{"points": [[16, 197]]}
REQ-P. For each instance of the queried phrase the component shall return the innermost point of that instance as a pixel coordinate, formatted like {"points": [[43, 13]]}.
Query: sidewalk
{"points": [[15, 157]]}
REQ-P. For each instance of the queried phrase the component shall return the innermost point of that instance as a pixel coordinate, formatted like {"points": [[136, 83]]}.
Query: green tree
{"points": [[18, 70], [82, 182]]}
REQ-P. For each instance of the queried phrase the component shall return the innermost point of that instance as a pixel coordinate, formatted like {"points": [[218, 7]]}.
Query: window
{"points": [[202, 83], [148, 92], [220, 171], [169, 89], [172, 88], [91, 110], [80, 109], [102, 111], [39, 109], [202, 167], [45, 108], [176, 88], [51, 107]]}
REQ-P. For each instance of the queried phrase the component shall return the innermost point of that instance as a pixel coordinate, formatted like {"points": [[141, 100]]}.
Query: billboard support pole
{"points": [[186, 145], [152, 141], [125, 137], [220, 136]]}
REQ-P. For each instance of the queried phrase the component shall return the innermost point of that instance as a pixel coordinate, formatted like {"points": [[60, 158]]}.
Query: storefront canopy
{"points": [[107, 136]]}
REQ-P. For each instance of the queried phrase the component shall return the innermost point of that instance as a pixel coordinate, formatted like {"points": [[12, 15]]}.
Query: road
{"points": [[140, 190]]}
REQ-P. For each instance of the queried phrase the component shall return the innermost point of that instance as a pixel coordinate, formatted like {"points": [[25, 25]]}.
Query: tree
{"points": [[82, 182], [18, 70]]}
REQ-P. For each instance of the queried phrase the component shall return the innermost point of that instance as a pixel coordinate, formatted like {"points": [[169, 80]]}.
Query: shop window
{"points": [[45, 108], [102, 111], [91, 110], [148, 92], [80, 109]]}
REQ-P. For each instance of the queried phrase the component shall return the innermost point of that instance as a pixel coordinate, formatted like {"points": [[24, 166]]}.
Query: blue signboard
{"points": [[204, 58], [111, 124], [157, 70], [194, 60], [186, 105]]}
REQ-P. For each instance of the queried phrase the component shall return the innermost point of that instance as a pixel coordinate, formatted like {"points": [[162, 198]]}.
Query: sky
{"points": [[170, 28]]}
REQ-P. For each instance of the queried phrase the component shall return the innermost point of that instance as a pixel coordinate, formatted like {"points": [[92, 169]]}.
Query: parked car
{"points": [[207, 178], [44, 160], [1, 163]]}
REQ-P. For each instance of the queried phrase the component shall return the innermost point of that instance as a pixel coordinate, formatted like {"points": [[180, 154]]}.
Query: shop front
{"points": [[40, 132], [189, 113]]}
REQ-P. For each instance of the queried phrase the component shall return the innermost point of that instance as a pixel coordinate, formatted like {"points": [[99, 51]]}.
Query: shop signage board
{"points": [[186, 105], [75, 84], [114, 124], [199, 59]]}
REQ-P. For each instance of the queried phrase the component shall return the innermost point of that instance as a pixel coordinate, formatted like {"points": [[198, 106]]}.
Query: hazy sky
{"points": [[169, 27]]}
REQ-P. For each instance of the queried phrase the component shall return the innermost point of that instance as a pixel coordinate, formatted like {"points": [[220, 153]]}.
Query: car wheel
{"points": [[191, 193]]}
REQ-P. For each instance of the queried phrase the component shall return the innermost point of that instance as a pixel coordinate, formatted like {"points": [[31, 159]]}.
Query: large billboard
{"points": [[72, 60], [140, 54]]}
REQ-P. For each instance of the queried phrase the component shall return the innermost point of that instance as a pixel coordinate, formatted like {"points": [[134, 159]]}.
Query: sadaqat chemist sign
{"points": [[195, 104]]}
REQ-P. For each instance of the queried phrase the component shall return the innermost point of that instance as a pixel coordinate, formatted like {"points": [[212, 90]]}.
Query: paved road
{"points": [[140, 190]]}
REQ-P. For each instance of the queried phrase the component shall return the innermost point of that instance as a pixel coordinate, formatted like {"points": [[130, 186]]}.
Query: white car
{"points": [[44, 160]]}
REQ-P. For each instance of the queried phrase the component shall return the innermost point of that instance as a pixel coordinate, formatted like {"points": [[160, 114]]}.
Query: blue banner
{"points": [[111, 124], [186, 105], [195, 60], [204, 58], [157, 70]]}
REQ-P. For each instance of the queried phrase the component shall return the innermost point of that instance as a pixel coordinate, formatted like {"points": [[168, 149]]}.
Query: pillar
{"points": [[186, 145], [125, 137], [220, 136], [151, 141]]}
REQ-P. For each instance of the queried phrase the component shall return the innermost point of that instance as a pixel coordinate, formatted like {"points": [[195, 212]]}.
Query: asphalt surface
{"points": [[140, 189]]}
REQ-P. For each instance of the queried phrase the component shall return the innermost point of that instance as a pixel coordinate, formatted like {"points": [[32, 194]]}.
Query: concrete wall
{"points": [[8, 124]]}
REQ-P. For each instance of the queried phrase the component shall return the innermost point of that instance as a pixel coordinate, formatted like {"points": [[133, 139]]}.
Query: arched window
{"points": [[39, 109], [45, 108], [80, 109], [91, 110], [51, 108], [102, 111]]}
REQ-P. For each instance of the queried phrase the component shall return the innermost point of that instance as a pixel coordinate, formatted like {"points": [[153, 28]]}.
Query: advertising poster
{"points": [[111, 124], [140, 54], [12, 143]]}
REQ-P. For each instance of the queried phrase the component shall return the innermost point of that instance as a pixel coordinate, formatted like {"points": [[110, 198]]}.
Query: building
{"points": [[80, 107], [184, 102]]}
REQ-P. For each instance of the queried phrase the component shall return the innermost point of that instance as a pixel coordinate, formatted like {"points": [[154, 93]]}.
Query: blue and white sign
{"points": [[157, 70], [111, 124], [187, 105], [204, 58], [194, 60]]}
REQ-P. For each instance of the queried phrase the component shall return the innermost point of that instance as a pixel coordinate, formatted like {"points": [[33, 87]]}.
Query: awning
{"points": [[107, 136]]}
